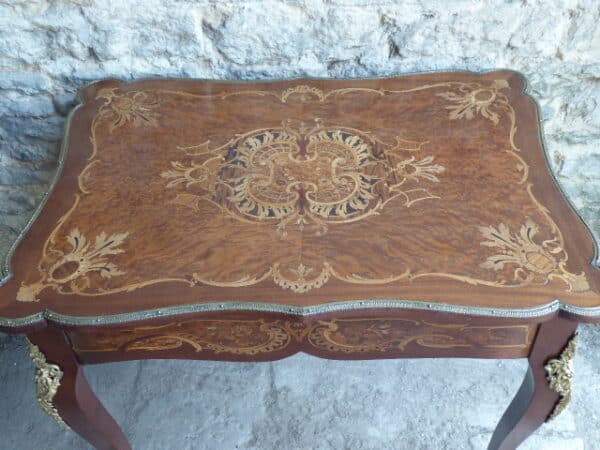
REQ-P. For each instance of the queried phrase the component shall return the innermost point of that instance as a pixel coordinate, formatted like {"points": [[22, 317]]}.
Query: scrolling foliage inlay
{"points": [[305, 196], [532, 261], [252, 337], [306, 175], [72, 271]]}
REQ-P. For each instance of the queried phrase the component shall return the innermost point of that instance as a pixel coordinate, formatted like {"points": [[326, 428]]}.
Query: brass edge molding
{"points": [[47, 380], [336, 306], [595, 261], [6, 272], [559, 374], [592, 312]]}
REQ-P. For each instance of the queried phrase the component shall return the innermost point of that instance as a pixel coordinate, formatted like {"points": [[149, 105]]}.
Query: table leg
{"points": [[64, 393], [537, 401]]}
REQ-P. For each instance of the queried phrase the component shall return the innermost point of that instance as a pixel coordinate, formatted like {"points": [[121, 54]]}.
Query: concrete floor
{"points": [[303, 403]]}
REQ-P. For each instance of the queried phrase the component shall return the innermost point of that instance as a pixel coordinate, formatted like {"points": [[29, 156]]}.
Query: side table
{"points": [[405, 217]]}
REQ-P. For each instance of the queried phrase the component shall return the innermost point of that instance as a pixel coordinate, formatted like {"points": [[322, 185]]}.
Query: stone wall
{"points": [[51, 48]]}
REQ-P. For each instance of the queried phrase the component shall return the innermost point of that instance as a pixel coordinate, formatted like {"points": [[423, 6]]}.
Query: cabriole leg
{"points": [[546, 389], [64, 393]]}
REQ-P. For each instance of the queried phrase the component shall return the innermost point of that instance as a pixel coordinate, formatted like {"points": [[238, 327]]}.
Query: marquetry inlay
{"points": [[252, 337], [303, 193], [305, 176]]}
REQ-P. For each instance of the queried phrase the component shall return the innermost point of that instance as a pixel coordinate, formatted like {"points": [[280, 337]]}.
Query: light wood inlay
{"points": [[251, 337], [425, 188], [350, 219]]}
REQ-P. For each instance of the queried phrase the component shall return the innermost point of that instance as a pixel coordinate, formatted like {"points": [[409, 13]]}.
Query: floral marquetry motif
{"points": [[381, 335], [304, 193], [70, 270], [309, 175], [137, 108], [254, 337], [348, 219], [473, 99], [236, 337], [532, 260]]}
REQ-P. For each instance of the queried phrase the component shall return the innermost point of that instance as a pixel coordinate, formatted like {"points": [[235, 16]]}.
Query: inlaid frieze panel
{"points": [[263, 336]]}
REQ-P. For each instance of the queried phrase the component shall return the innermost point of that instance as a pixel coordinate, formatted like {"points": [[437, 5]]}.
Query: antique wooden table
{"points": [[386, 218]]}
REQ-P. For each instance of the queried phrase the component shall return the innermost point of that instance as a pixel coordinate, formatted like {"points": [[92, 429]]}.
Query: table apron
{"points": [[251, 336]]}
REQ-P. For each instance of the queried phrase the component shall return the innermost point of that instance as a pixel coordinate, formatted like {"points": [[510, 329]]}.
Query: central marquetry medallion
{"points": [[306, 176]]}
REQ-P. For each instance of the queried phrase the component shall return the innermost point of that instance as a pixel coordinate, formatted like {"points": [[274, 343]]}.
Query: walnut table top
{"points": [[411, 216], [301, 194]]}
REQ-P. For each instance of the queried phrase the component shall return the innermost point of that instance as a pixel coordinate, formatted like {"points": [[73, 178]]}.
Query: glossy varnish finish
{"points": [[405, 217], [362, 335], [430, 188]]}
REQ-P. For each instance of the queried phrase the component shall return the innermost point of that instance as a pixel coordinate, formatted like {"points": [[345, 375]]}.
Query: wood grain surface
{"points": [[425, 187], [240, 336]]}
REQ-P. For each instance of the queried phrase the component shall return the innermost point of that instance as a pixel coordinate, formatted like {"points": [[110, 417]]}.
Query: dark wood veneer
{"points": [[423, 203], [363, 335]]}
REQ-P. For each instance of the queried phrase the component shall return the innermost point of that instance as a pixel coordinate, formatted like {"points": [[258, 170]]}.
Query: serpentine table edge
{"points": [[449, 319]]}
